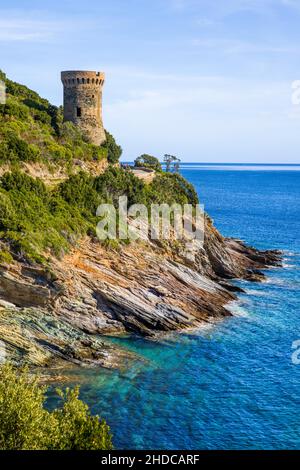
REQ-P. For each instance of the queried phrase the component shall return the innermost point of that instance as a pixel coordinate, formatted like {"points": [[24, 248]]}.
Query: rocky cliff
{"points": [[144, 288]]}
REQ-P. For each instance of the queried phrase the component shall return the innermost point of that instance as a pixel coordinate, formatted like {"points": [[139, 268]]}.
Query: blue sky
{"points": [[206, 80]]}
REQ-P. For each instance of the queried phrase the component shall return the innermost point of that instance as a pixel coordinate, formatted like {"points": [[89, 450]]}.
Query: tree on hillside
{"points": [[172, 163], [114, 151], [148, 161]]}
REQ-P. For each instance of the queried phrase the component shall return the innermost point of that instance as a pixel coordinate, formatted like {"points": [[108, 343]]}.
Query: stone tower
{"points": [[83, 102]]}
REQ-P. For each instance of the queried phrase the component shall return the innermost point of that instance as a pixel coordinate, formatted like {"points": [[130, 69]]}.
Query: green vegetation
{"points": [[116, 182], [169, 188], [113, 150], [25, 424], [5, 257], [32, 130], [172, 163], [37, 221], [148, 161]]}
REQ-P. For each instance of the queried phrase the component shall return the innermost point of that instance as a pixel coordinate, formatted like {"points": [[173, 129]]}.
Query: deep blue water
{"points": [[232, 386]]}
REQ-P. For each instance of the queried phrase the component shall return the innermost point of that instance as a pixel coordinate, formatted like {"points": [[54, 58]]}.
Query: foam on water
{"points": [[236, 309]]}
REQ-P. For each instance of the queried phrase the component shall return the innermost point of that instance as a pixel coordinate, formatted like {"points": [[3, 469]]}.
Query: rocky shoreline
{"points": [[63, 315]]}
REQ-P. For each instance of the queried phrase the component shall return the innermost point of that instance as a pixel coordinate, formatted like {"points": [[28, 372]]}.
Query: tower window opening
{"points": [[78, 112]]}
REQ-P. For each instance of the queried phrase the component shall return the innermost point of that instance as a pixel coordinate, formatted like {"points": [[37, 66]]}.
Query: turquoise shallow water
{"points": [[232, 385]]}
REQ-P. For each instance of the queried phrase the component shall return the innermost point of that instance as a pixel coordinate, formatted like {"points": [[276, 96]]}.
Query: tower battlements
{"points": [[83, 102]]}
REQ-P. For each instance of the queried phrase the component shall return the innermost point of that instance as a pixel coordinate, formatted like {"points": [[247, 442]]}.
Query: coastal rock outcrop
{"points": [[142, 288]]}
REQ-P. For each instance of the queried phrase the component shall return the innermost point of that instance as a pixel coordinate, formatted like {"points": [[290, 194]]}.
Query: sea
{"points": [[234, 384]]}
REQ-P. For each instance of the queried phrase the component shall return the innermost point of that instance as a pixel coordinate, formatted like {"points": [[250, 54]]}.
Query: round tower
{"points": [[83, 102]]}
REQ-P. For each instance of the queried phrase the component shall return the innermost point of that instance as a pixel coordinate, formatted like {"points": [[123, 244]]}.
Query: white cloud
{"points": [[219, 9], [204, 93], [180, 4], [19, 25], [14, 28], [223, 118], [205, 22]]}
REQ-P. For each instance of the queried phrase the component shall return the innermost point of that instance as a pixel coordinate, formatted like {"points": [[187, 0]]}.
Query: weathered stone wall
{"points": [[83, 102]]}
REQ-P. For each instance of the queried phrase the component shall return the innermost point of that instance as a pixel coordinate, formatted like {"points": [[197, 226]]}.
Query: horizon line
{"points": [[228, 163]]}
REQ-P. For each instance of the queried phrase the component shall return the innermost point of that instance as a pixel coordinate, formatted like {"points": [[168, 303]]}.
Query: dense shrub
{"points": [[172, 188], [79, 190], [13, 108], [8, 216], [70, 133], [116, 182], [57, 153], [35, 220], [5, 257], [56, 114], [25, 423], [4, 152], [148, 161], [72, 138], [87, 192], [24, 183], [114, 151], [21, 91], [19, 150]]}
